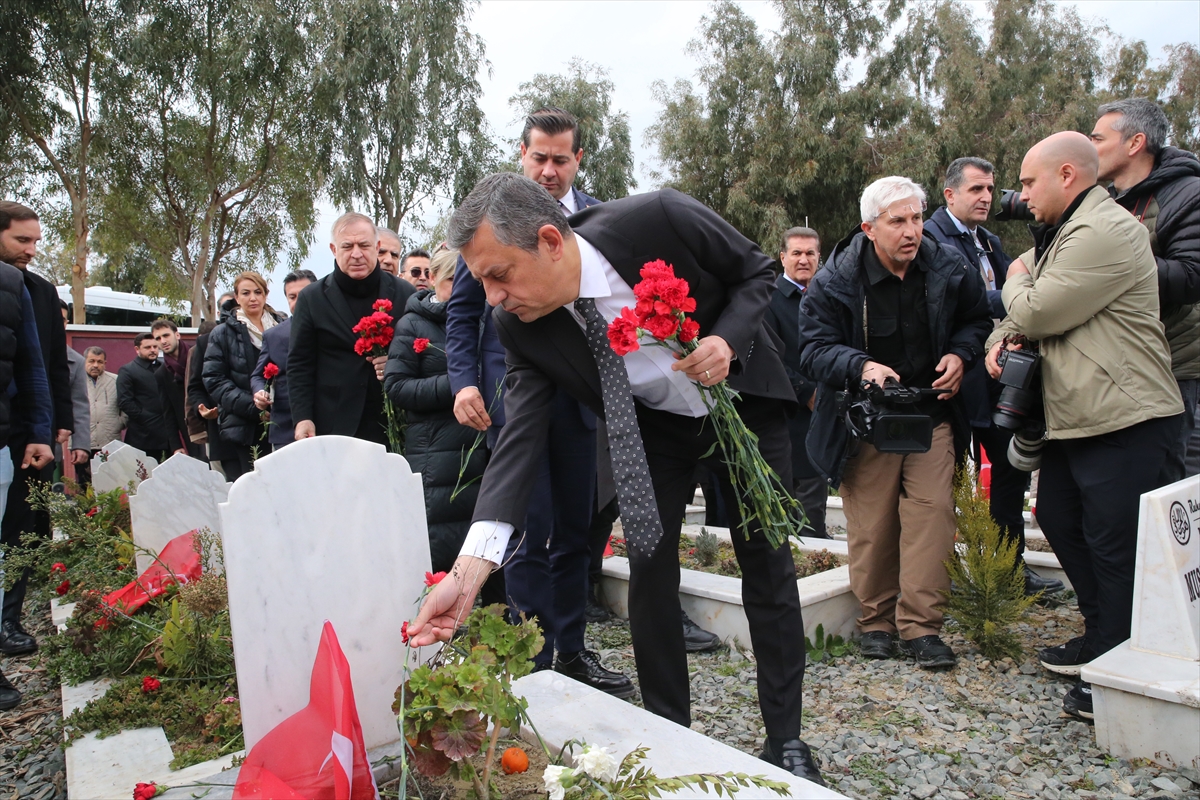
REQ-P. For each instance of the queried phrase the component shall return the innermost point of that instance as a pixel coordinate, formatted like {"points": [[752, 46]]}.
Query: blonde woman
{"points": [[228, 362]]}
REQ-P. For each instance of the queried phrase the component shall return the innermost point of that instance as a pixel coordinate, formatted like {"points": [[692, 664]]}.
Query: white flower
{"points": [[553, 776], [599, 763]]}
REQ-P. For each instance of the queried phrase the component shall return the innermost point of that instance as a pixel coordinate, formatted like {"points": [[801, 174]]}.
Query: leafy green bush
{"points": [[821, 647], [707, 547]]}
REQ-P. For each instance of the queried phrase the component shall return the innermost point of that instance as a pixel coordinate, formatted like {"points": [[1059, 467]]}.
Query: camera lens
{"points": [[1025, 453], [1012, 408]]}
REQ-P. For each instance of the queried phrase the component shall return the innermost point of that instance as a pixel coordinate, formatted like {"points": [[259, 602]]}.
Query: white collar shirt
{"points": [[567, 201]]}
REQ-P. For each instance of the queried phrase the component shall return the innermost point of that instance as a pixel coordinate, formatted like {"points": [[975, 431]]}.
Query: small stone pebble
{"points": [[884, 729]]}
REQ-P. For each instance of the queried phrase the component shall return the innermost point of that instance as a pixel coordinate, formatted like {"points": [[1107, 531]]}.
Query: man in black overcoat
{"points": [[332, 388], [20, 232], [535, 265]]}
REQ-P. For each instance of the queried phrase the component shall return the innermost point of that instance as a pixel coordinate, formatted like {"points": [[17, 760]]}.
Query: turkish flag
{"points": [[318, 752], [178, 561]]}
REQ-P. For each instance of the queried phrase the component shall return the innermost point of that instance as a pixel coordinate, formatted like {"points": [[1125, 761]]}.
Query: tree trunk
{"points": [[79, 265]]}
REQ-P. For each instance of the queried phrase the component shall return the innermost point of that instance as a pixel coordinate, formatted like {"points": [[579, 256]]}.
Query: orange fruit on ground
{"points": [[514, 760]]}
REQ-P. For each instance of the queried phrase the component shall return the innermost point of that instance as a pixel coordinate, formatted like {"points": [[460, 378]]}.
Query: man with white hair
{"points": [[893, 304], [332, 389]]}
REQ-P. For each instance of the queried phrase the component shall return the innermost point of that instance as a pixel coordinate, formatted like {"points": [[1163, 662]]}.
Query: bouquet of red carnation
{"points": [[661, 312], [375, 333]]}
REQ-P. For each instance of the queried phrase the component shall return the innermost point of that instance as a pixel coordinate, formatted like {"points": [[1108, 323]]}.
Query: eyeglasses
{"points": [[417, 272]]}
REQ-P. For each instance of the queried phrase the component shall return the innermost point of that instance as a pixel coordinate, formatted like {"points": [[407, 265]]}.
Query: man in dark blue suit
{"points": [[281, 430], [968, 193], [546, 570]]}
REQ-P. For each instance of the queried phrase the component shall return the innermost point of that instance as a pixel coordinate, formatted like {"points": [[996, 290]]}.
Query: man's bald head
{"points": [[1055, 171]]}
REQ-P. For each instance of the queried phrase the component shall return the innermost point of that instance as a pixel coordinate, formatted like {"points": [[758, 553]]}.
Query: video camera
{"points": [[886, 416]]}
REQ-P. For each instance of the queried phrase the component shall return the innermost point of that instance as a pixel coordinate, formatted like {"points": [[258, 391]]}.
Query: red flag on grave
{"points": [[177, 562], [318, 752]]}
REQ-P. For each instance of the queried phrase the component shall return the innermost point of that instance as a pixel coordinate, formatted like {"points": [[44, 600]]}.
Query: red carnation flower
{"points": [[661, 326], [145, 791], [689, 330], [404, 632], [623, 332], [150, 684], [419, 346], [62, 588], [434, 578], [58, 566], [94, 511], [382, 304], [270, 371]]}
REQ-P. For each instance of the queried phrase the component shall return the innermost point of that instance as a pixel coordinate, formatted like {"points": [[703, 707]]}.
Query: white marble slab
{"points": [[329, 528], [563, 709], [180, 496], [1166, 588], [120, 468], [1147, 705]]}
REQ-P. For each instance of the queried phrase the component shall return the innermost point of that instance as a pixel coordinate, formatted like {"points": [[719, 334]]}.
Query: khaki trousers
{"points": [[900, 528]]}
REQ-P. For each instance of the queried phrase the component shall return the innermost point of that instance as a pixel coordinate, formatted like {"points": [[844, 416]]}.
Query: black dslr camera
{"points": [[886, 416], [1019, 408], [1010, 207]]}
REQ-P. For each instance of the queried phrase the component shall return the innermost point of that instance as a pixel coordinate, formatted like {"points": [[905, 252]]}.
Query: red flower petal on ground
{"points": [[434, 578], [404, 632], [270, 370], [150, 684], [95, 510], [419, 346], [62, 588], [145, 791], [623, 332], [58, 566]]}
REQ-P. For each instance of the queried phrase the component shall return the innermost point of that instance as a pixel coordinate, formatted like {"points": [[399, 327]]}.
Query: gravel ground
{"points": [[32, 766], [891, 729]]}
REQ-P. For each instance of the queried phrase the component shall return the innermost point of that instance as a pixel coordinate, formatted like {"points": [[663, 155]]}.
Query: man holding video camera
{"points": [[1088, 296], [890, 304]]}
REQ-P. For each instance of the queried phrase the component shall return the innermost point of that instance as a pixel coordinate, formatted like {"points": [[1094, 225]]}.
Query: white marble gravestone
{"points": [[120, 468], [1146, 691], [180, 496], [329, 528]]}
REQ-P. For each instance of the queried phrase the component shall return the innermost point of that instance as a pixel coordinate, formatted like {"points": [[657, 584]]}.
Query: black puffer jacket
{"points": [[228, 362], [833, 349], [1168, 203], [435, 443]]}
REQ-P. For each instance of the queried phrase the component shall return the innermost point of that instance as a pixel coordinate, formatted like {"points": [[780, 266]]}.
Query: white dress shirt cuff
{"points": [[487, 539]]}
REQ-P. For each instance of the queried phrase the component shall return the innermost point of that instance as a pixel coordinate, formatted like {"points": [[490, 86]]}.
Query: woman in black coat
{"points": [[230, 358], [436, 445]]}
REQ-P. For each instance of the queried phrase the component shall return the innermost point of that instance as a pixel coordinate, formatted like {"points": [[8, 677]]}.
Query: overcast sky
{"points": [[644, 41]]}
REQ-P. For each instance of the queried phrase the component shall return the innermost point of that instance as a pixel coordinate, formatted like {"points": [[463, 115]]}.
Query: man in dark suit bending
{"points": [[552, 278], [333, 389]]}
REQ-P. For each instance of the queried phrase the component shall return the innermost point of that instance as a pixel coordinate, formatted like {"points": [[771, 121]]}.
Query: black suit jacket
{"points": [[783, 315], [327, 381], [52, 335], [141, 396], [730, 279], [275, 351]]}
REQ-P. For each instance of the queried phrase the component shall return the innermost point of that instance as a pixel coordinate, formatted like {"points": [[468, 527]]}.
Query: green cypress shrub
{"points": [[987, 595]]}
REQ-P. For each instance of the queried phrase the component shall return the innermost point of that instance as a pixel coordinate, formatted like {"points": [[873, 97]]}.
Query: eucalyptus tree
{"points": [[399, 83], [586, 91], [49, 58], [213, 151]]}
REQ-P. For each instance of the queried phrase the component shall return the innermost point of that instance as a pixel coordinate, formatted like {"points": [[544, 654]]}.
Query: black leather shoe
{"points": [[14, 641], [9, 696], [930, 651], [585, 667], [1078, 701], [793, 756], [696, 639], [1067, 658], [1035, 583], [877, 644], [595, 611]]}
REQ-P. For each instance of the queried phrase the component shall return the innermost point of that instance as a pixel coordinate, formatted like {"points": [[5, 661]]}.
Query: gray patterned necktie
{"points": [[635, 491]]}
